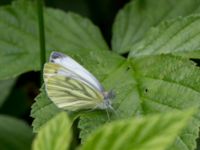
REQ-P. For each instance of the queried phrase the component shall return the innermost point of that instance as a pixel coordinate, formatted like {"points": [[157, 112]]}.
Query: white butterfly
{"points": [[71, 87]]}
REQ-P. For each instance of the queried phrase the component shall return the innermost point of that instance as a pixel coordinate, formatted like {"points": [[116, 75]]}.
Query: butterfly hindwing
{"points": [[67, 92]]}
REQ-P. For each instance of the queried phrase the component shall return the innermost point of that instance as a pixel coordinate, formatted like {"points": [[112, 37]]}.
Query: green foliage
{"points": [[126, 103], [147, 83], [166, 83], [19, 42], [55, 134], [144, 89], [71, 32], [179, 37], [127, 134], [137, 17], [154, 90], [15, 134], [155, 132], [42, 110]]}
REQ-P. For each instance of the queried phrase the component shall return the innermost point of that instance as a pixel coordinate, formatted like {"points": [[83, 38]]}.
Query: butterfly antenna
{"points": [[115, 112]]}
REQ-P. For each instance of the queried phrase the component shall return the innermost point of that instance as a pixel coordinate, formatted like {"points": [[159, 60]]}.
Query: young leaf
{"points": [[19, 36], [156, 132], [15, 134], [178, 37], [55, 134], [5, 88], [137, 17]]}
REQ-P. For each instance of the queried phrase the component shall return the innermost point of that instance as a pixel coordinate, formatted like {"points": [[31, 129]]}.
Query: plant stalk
{"points": [[40, 5]]}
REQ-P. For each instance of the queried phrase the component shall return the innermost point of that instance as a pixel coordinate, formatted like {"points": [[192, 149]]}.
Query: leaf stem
{"points": [[40, 4]]}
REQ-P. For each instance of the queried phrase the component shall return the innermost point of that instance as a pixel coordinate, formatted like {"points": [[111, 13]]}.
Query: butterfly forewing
{"points": [[76, 69]]}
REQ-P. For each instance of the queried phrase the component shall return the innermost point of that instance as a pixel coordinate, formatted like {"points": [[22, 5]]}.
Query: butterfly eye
{"points": [[111, 94], [56, 55]]}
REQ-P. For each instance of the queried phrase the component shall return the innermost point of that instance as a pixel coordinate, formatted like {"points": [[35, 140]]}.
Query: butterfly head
{"points": [[109, 95], [56, 55], [107, 103]]}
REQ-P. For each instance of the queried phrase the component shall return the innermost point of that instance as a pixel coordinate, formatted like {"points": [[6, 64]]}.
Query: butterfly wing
{"points": [[75, 69], [67, 91], [70, 94]]}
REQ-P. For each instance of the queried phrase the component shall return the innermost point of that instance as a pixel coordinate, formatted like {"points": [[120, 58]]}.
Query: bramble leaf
{"points": [[178, 37], [168, 83], [19, 41], [152, 85], [137, 17], [42, 110], [142, 86]]}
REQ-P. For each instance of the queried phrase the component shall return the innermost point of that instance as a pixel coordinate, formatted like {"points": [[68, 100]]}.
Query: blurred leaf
{"points": [[5, 88], [179, 37], [15, 134], [137, 17], [19, 36], [55, 134], [42, 110], [156, 132]]}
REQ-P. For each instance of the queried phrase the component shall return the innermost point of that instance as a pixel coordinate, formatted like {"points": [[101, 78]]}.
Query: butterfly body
{"points": [[71, 87]]}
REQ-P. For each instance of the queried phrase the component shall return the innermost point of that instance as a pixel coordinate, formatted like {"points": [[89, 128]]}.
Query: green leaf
{"points": [[42, 110], [167, 83], [114, 73], [15, 134], [156, 132], [126, 102], [71, 32], [178, 37], [55, 134], [5, 88], [19, 36], [137, 17], [151, 85]]}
